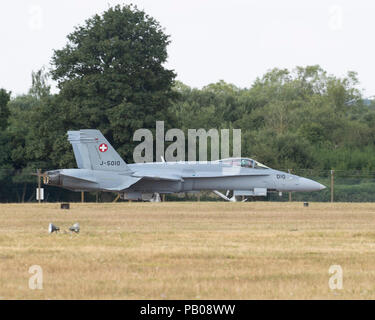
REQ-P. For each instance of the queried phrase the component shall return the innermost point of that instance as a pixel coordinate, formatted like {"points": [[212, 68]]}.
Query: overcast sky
{"points": [[233, 40]]}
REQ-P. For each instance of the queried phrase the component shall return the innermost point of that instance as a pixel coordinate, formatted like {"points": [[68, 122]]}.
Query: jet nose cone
{"points": [[311, 185], [322, 186]]}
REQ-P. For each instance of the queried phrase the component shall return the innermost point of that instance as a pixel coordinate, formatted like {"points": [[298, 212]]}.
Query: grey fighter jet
{"points": [[100, 168]]}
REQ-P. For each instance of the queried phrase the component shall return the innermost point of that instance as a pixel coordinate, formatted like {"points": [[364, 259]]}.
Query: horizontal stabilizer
{"points": [[93, 180], [124, 184]]}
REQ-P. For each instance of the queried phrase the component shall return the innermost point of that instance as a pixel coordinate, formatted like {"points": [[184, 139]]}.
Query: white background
{"points": [[233, 40]]}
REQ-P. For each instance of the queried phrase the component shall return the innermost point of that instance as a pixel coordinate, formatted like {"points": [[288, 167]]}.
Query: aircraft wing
{"points": [[225, 174], [156, 177], [176, 176], [134, 178]]}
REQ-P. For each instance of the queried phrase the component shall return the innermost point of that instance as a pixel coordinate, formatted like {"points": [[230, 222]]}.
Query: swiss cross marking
{"points": [[103, 147]]}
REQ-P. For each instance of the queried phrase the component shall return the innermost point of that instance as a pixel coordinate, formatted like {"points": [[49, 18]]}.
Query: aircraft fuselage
{"points": [[181, 177]]}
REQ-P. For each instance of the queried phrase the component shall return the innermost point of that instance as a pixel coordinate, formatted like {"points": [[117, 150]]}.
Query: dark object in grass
{"points": [[65, 206]]}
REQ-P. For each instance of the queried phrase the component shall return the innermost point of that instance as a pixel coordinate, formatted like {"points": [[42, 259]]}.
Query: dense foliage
{"points": [[111, 76], [302, 118]]}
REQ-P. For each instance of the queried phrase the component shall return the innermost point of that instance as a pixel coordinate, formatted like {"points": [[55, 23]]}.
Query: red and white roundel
{"points": [[103, 147]]}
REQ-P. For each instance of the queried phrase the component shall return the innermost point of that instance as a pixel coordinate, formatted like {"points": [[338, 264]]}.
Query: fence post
{"points": [[39, 174], [290, 194], [332, 183]]}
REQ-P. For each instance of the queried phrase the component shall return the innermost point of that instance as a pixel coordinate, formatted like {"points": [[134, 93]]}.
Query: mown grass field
{"points": [[194, 250]]}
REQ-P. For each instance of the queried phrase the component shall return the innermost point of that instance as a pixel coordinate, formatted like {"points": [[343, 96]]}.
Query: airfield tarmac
{"points": [[188, 250]]}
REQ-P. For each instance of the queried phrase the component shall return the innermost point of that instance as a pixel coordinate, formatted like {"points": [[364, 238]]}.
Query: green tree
{"points": [[40, 87], [4, 109], [5, 161], [20, 132], [111, 76]]}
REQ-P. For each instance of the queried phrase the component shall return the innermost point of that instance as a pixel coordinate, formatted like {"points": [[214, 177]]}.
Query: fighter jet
{"points": [[100, 168]]}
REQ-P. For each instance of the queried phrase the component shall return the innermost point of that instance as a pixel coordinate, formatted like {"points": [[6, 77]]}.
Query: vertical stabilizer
{"points": [[93, 151]]}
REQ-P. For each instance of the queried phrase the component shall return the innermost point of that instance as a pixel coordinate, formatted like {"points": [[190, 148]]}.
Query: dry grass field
{"points": [[194, 250]]}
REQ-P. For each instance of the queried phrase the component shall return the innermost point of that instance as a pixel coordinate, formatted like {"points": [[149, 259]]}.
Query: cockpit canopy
{"points": [[243, 162]]}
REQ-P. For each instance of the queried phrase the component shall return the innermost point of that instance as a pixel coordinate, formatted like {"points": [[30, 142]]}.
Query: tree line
{"points": [[111, 76]]}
